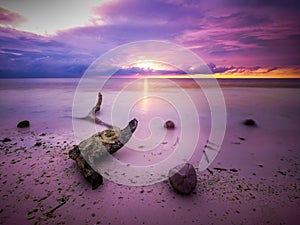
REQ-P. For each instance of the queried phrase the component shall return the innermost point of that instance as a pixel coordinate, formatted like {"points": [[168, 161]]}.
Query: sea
{"points": [[208, 115], [47, 99]]}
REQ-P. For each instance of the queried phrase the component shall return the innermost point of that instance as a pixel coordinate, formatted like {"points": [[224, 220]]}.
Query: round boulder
{"points": [[183, 178]]}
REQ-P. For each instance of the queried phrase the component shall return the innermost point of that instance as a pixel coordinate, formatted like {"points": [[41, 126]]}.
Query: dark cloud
{"points": [[240, 20], [216, 69], [279, 4], [28, 55]]}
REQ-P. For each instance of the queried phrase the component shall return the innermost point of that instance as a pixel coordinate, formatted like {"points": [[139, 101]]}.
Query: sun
{"points": [[151, 65], [146, 65]]}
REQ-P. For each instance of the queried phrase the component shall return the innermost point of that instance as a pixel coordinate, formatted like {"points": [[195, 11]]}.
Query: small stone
{"points": [[169, 124], [220, 169], [6, 140], [282, 173], [38, 143], [23, 124], [250, 123]]}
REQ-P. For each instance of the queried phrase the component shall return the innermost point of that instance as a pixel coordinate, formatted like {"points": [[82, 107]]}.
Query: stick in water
{"points": [[92, 114], [98, 105]]}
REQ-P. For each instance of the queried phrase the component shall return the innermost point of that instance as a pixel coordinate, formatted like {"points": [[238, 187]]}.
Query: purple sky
{"points": [[45, 39]]}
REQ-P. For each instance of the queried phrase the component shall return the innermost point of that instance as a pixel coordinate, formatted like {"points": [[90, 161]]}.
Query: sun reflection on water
{"points": [[145, 99]]}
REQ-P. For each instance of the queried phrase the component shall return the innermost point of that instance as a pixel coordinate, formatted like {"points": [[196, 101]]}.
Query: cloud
{"points": [[255, 72], [9, 18], [224, 32], [48, 17], [240, 20], [240, 69], [233, 32], [148, 12], [143, 71], [287, 4]]}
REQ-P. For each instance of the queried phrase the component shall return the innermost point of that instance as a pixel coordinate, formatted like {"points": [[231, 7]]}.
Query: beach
{"points": [[253, 180]]}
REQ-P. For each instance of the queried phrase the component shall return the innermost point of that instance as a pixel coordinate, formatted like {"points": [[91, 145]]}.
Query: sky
{"points": [[236, 38]]}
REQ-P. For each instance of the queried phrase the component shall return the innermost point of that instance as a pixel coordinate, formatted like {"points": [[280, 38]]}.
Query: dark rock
{"points": [[183, 178], [23, 124], [169, 124], [250, 123], [220, 169], [282, 173], [6, 140], [38, 143]]}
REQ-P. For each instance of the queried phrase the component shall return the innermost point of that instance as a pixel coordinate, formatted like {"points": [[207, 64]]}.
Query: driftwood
{"points": [[91, 116], [98, 104], [91, 151]]}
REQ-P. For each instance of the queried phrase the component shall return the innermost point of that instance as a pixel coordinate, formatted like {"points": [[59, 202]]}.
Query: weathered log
{"points": [[89, 152]]}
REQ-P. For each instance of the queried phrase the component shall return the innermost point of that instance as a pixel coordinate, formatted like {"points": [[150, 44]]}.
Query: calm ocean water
{"points": [[71, 83], [46, 100], [53, 106]]}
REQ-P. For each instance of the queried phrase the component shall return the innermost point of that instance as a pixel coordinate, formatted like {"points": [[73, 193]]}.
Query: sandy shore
{"points": [[254, 179]]}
